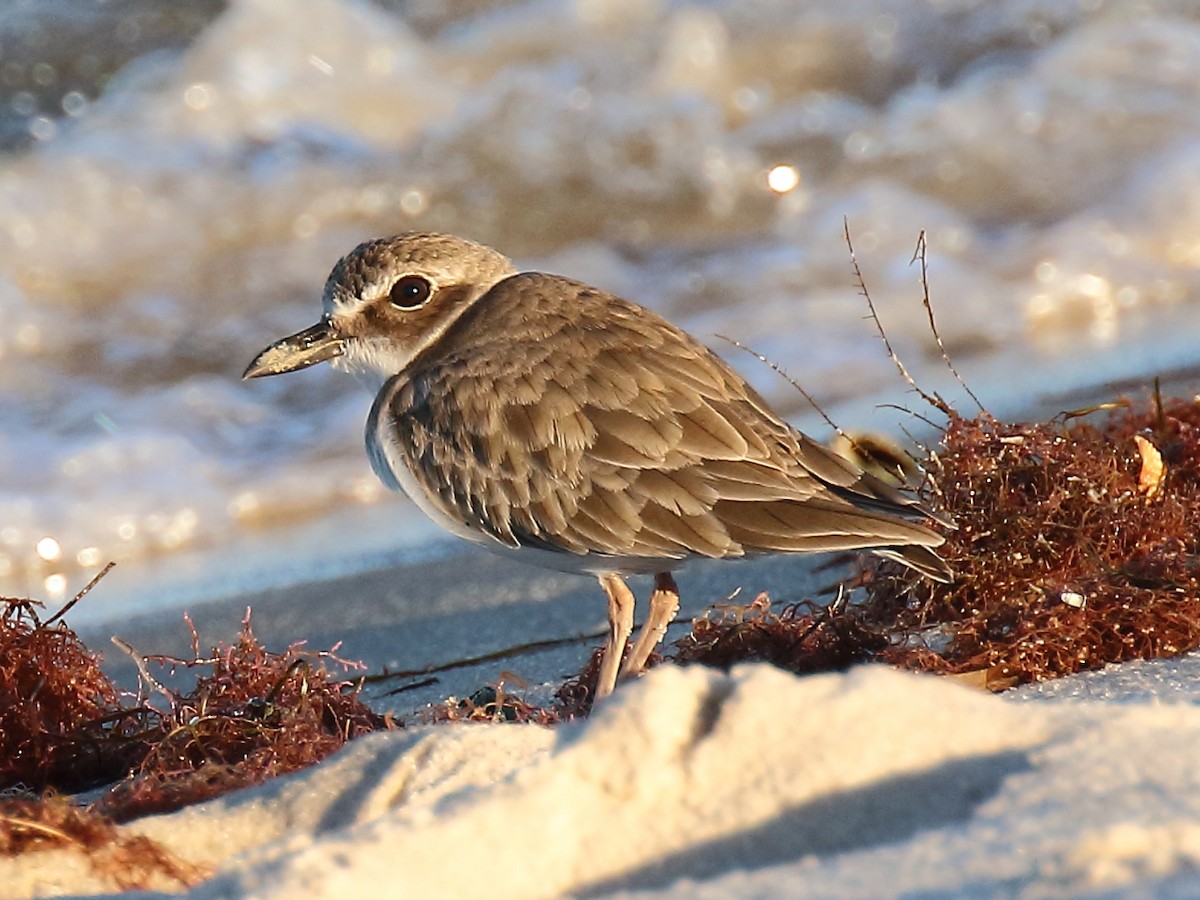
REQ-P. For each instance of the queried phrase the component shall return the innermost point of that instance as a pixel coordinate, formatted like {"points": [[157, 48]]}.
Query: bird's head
{"points": [[387, 301]]}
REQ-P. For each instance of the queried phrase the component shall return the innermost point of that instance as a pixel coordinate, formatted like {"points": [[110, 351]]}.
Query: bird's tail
{"points": [[920, 559]]}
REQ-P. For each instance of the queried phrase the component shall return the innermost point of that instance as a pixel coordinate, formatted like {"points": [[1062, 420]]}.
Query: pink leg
{"points": [[664, 604], [620, 624]]}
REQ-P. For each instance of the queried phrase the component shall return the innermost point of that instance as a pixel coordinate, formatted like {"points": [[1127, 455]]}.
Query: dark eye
{"points": [[410, 292]]}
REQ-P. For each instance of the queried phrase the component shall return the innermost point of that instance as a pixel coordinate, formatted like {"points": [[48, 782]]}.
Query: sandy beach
{"points": [[691, 782]]}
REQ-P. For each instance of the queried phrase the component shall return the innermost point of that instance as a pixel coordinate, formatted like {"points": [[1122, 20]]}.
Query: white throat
{"points": [[373, 361]]}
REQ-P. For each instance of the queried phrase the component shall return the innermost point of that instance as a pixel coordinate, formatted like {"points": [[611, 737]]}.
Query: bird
{"points": [[539, 416]]}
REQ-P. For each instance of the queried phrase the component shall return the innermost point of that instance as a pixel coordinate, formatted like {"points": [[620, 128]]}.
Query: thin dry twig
{"points": [[139, 660], [778, 370], [24, 823], [79, 596], [919, 255], [466, 662], [916, 415], [932, 399]]}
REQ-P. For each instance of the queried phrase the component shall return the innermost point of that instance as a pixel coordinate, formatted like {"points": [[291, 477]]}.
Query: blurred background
{"points": [[176, 181]]}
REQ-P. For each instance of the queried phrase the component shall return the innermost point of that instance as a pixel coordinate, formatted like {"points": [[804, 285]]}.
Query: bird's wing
{"points": [[556, 415]]}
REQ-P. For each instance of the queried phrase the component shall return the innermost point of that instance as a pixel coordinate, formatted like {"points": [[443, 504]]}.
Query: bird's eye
{"points": [[410, 292]]}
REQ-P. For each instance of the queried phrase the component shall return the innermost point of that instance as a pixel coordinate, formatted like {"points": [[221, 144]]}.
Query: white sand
{"points": [[692, 783]]}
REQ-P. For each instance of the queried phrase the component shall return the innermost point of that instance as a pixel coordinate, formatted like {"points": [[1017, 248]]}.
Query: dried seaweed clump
{"points": [[1076, 546], [493, 703], [55, 707], [125, 861], [63, 726], [258, 714], [803, 638]]}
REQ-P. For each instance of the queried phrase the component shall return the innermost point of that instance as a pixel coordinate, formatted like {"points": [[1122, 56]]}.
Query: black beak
{"points": [[299, 351]]}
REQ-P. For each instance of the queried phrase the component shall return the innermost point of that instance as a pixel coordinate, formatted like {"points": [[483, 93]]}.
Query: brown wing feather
{"points": [[557, 415]]}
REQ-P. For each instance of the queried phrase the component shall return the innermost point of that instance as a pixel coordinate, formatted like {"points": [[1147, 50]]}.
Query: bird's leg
{"points": [[664, 604], [620, 624]]}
